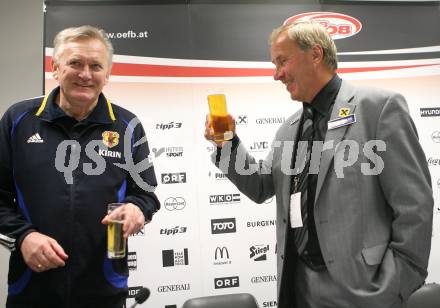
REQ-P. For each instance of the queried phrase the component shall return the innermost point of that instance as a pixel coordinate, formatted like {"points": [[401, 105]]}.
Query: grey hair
{"points": [[80, 33], [308, 34]]}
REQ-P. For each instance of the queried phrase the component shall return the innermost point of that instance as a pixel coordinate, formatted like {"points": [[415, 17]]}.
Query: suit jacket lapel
{"points": [[342, 100], [290, 135]]}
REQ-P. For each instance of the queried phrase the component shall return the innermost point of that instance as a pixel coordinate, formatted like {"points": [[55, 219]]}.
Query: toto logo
{"points": [[339, 26], [223, 225], [174, 203]]}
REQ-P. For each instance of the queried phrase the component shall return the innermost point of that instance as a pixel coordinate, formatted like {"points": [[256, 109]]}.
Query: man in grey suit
{"points": [[352, 186]]}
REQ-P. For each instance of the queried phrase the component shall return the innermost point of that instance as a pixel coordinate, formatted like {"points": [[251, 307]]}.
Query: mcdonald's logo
{"points": [[223, 252]]}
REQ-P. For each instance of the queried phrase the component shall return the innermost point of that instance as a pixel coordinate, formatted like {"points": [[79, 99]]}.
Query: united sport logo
{"points": [[339, 26]]}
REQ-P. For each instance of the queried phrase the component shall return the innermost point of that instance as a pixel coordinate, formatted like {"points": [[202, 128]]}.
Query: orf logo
{"points": [[110, 139], [338, 25]]}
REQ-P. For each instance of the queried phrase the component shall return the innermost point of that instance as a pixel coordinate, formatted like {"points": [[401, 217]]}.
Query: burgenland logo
{"points": [[221, 256], [224, 199], [223, 225], [261, 223], [173, 178], [436, 136], [338, 25], [226, 282], [132, 261], [430, 112], [259, 252], [174, 203], [172, 257]]}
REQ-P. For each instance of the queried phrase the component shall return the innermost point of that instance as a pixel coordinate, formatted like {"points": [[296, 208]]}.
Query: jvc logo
{"points": [[223, 225], [226, 282], [173, 178], [226, 198], [169, 125], [259, 146]]}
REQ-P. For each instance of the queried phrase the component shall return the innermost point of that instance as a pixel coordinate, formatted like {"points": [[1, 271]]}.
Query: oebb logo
{"points": [[338, 25]]}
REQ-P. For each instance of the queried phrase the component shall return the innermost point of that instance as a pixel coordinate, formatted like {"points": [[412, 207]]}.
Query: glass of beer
{"points": [[115, 241], [219, 117]]}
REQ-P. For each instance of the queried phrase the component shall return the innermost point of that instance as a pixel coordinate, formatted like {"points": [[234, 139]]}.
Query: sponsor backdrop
{"points": [[208, 238]]}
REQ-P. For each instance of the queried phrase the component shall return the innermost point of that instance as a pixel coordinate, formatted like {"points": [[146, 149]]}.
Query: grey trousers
{"points": [[318, 290]]}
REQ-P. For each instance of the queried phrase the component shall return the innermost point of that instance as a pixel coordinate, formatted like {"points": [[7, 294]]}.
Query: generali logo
{"points": [[339, 26]]}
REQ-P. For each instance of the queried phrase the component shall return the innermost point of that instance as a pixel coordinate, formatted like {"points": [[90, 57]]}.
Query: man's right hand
{"points": [[209, 131], [42, 253]]}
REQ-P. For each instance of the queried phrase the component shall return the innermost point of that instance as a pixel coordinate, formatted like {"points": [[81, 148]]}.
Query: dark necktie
{"points": [[301, 234]]}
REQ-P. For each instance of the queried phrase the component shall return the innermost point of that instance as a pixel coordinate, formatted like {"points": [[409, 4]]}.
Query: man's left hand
{"points": [[132, 216]]}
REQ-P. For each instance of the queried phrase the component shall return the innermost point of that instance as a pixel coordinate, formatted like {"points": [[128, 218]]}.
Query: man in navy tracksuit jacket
{"points": [[63, 158]]}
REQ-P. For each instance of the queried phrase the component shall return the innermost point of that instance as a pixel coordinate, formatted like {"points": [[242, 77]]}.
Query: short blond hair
{"points": [[81, 33], [308, 34]]}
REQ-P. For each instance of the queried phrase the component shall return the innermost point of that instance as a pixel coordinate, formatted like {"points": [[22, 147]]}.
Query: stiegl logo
{"points": [[259, 252], [338, 25]]}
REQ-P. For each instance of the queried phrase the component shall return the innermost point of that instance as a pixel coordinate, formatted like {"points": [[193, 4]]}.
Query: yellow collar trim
{"points": [[43, 105]]}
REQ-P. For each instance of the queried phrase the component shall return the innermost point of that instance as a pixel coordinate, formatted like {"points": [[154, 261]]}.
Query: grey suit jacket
{"points": [[374, 226]]}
